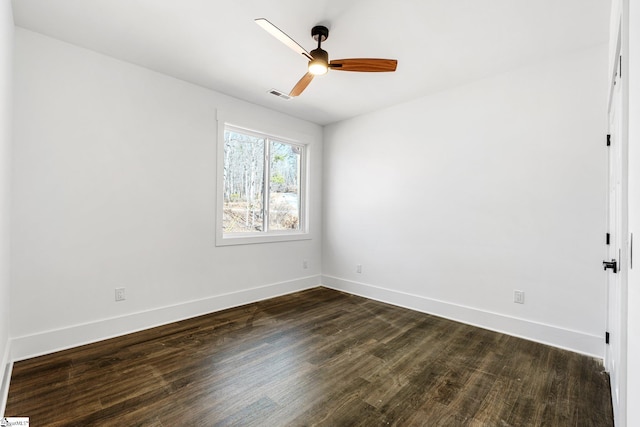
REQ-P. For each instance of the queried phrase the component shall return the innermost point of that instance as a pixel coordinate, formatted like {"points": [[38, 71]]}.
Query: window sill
{"points": [[251, 239]]}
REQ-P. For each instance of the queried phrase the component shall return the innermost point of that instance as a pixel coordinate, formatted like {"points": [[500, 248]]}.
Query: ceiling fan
{"points": [[319, 58]]}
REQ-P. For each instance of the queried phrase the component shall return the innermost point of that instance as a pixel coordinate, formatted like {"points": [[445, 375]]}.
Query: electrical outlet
{"points": [[359, 268], [305, 264], [518, 297], [120, 294]]}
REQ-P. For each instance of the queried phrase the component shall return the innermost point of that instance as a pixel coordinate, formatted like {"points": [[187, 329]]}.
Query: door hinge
{"points": [[608, 140], [608, 238], [606, 337]]}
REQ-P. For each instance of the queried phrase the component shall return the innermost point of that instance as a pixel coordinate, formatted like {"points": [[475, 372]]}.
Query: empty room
{"points": [[330, 213]]}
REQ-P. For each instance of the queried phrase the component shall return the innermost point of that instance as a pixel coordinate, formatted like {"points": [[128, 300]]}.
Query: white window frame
{"points": [[244, 238]]}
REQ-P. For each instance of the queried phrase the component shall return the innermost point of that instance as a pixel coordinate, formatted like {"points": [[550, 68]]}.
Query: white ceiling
{"points": [[216, 44]]}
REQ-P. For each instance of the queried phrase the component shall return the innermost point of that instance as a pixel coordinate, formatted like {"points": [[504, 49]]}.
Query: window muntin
{"points": [[251, 208]]}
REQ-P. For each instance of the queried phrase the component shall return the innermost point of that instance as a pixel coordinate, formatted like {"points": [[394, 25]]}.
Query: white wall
{"points": [[115, 186], [6, 71], [453, 201]]}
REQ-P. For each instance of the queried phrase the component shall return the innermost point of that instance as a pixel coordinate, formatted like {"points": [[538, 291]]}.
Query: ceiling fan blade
{"points": [[282, 36], [301, 85], [364, 64]]}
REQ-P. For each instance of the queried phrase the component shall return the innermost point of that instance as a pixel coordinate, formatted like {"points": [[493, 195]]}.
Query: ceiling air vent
{"points": [[280, 94]]}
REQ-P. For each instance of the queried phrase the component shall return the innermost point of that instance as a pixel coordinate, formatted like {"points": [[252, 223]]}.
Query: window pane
{"points": [[243, 183], [284, 187]]}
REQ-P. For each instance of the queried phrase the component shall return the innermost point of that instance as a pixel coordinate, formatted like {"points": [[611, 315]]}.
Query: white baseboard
{"points": [[5, 371], [28, 346], [575, 341]]}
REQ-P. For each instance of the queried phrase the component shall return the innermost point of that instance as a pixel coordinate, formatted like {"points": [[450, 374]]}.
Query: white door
{"points": [[614, 294]]}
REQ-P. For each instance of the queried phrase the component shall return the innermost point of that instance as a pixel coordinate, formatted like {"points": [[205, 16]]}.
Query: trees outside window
{"points": [[262, 189]]}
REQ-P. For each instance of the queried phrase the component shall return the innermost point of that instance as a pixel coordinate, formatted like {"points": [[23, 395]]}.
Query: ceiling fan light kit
{"points": [[319, 63]]}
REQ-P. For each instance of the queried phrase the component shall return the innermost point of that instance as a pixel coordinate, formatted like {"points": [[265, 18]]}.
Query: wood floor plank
{"points": [[317, 358]]}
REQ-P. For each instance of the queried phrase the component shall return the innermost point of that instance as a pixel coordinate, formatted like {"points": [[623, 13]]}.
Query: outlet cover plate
{"points": [[518, 297]]}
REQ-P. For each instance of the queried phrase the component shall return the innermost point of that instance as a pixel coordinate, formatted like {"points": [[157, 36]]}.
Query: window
{"points": [[263, 188]]}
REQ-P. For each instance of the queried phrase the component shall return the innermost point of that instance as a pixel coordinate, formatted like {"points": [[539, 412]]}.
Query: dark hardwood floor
{"points": [[317, 357]]}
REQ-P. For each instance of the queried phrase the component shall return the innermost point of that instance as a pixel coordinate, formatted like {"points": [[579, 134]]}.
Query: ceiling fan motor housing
{"points": [[320, 55]]}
